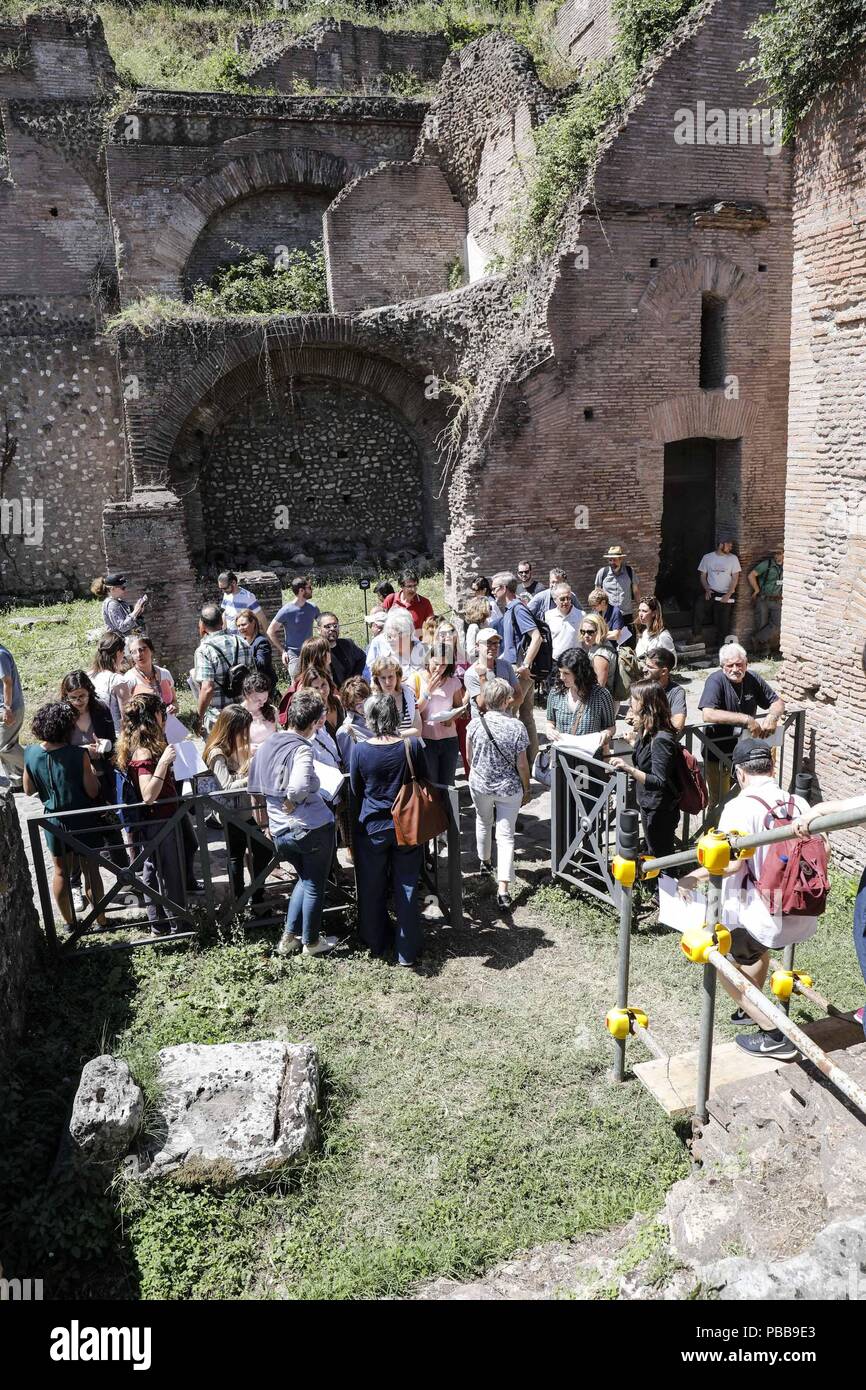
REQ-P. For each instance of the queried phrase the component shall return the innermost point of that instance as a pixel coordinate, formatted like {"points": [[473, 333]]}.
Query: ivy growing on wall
{"points": [[802, 47], [568, 143]]}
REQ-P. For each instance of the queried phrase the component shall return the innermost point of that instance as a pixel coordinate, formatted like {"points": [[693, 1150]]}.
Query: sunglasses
{"points": [[587, 632]]}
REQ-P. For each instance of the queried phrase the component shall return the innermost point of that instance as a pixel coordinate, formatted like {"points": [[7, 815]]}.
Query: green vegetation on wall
{"points": [[254, 284], [803, 45]]}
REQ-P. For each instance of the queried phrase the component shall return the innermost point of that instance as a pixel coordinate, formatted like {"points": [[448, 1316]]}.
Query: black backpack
{"points": [[231, 684], [542, 666]]}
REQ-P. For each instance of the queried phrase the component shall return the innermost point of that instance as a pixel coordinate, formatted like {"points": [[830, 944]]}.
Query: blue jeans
{"points": [[375, 854], [441, 755], [860, 929], [311, 853]]}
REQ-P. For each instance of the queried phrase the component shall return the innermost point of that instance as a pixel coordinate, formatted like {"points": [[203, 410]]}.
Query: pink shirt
{"points": [[260, 729], [442, 698]]}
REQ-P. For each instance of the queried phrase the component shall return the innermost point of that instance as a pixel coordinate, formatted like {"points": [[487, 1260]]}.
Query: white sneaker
{"points": [[78, 902], [324, 943], [287, 945]]}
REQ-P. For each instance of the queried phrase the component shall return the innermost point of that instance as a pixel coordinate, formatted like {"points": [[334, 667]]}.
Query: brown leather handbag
{"points": [[417, 809]]}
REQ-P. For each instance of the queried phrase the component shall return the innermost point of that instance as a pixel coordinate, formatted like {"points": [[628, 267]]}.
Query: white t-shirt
{"points": [[233, 603], [564, 629], [742, 906], [720, 570], [646, 643]]}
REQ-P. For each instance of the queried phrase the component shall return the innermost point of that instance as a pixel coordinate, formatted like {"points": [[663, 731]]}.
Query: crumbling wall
{"points": [[61, 445], [339, 55], [584, 30], [396, 233], [568, 453], [478, 131], [824, 616], [20, 938]]}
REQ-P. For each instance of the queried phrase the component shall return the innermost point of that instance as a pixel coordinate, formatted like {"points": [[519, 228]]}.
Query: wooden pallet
{"points": [[674, 1084]]}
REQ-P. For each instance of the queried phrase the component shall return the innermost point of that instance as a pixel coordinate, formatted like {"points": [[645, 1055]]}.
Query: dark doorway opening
{"points": [[688, 525], [701, 499]]}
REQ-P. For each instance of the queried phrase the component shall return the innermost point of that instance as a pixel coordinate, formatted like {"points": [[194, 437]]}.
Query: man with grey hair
{"points": [[729, 703], [521, 643], [564, 620]]}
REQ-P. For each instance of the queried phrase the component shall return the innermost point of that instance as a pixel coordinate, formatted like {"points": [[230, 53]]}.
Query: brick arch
{"points": [[325, 362], [700, 415], [697, 275], [241, 178]]}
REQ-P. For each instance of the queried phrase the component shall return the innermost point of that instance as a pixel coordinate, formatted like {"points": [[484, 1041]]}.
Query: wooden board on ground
{"points": [[674, 1084]]}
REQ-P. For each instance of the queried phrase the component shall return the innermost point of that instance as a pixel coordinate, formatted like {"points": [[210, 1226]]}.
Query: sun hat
{"points": [[614, 552]]}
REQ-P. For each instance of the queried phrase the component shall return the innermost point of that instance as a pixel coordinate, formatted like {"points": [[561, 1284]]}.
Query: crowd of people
{"points": [[309, 736]]}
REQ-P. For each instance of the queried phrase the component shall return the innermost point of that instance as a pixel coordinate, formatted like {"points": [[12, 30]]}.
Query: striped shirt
{"points": [[594, 715]]}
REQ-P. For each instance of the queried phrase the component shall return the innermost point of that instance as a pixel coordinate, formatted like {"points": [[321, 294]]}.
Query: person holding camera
{"points": [[118, 614]]}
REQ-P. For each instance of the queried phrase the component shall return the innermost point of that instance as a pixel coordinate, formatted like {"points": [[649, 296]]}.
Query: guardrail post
{"points": [[455, 877], [708, 1005], [627, 848]]}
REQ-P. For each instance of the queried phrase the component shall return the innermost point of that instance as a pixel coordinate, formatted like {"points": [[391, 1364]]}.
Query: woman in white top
{"points": [[107, 674], [257, 700], [145, 677], [650, 624], [388, 680], [399, 641], [477, 616]]}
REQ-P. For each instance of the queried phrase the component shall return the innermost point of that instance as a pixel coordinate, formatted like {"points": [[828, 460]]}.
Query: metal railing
{"points": [[708, 946], [588, 798]]}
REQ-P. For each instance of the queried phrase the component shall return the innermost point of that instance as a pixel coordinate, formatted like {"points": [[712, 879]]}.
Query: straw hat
{"points": [[615, 552]]}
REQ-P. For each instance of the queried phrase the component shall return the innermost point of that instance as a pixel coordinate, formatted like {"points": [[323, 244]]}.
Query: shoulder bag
{"points": [[417, 809], [541, 766]]}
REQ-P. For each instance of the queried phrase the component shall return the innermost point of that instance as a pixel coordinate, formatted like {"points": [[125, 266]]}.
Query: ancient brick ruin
{"points": [[633, 385]]}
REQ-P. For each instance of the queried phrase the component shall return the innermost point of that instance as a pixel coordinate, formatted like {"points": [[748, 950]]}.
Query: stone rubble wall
{"points": [[824, 615]]}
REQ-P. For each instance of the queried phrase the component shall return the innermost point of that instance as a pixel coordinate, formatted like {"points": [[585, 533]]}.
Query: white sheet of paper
{"points": [[773, 740], [175, 731], [188, 762], [674, 911], [443, 716], [623, 636], [330, 778], [581, 743]]}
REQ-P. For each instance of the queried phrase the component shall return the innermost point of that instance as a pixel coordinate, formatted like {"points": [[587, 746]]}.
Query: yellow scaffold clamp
{"points": [[782, 982], [697, 942], [620, 1022], [646, 867], [623, 870], [714, 852], [740, 853]]}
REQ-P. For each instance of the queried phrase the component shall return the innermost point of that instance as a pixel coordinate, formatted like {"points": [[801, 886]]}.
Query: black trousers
{"points": [[660, 829], [238, 845]]}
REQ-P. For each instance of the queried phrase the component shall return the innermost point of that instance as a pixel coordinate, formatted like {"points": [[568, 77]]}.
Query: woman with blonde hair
{"points": [[387, 679], [145, 759], [249, 629], [227, 754], [594, 640], [477, 616], [498, 780], [650, 623]]}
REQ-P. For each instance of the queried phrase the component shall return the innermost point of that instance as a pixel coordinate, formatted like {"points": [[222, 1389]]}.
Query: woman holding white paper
{"points": [[577, 703], [441, 694]]}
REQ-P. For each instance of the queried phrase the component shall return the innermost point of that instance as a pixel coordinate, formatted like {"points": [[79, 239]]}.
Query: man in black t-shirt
{"points": [[730, 702]]}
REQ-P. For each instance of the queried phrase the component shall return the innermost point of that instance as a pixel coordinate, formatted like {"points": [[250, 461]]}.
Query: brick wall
{"points": [[338, 54], [391, 235], [178, 160], [284, 217], [584, 30], [824, 617], [582, 419]]}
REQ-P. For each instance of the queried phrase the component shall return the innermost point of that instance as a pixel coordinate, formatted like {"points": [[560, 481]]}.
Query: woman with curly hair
{"points": [[577, 703], [145, 758], [60, 773]]}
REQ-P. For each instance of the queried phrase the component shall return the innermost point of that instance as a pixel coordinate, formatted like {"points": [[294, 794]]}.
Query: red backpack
{"points": [[694, 797], [794, 876]]}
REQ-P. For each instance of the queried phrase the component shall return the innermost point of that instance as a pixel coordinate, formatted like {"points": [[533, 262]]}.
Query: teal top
{"points": [[59, 777]]}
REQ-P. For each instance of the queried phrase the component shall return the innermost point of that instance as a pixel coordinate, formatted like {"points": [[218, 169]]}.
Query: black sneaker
{"points": [[485, 866], [739, 1016], [503, 900], [768, 1043]]}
